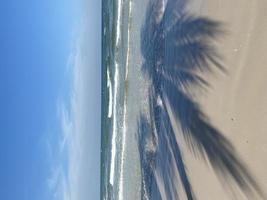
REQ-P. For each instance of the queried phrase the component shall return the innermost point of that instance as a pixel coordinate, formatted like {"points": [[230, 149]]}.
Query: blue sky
{"points": [[49, 99]]}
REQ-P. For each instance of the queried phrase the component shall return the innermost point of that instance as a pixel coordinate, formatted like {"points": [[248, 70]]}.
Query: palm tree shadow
{"points": [[176, 47]]}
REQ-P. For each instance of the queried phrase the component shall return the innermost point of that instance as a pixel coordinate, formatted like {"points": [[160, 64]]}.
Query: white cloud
{"points": [[77, 176]]}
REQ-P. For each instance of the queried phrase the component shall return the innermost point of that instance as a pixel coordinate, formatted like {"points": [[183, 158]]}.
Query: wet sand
{"points": [[237, 101]]}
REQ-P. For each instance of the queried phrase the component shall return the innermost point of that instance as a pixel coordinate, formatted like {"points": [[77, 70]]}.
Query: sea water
{"points": [[123, 86]]}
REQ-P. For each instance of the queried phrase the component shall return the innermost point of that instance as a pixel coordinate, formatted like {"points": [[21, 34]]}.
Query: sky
{"points": [[50, 99]]}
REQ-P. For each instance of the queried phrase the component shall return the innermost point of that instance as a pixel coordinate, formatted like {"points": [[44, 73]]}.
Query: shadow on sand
{"points": [[176, 47]]}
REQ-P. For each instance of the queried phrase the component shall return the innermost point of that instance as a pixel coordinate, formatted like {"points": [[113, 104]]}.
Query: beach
{"points": [[237, 100]]}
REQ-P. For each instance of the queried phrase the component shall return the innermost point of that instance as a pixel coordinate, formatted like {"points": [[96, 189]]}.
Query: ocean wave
{"points": [[114, 131], [118, 25], [109, 86], [115, 99]]}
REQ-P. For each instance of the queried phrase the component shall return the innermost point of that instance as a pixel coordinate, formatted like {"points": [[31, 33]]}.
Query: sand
{"points": [[237, 101]]}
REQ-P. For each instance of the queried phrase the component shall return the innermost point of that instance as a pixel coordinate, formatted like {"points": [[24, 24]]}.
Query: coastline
{"points": [[235, 103]]}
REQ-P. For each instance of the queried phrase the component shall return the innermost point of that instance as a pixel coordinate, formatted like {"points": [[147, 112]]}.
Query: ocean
{"points": [[121, 98]]}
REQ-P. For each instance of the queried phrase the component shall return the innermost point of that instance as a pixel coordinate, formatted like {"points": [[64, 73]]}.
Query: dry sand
{"points": [[237, 102]]}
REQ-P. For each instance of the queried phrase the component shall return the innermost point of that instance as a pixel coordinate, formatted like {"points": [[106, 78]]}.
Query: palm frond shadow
{"points": [[175, 47]]}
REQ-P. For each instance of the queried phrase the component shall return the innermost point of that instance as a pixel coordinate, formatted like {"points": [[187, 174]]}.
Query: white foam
{"points": [[160, 10], [118, 28], [110, 103], [114, 132], [116, 80]]}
